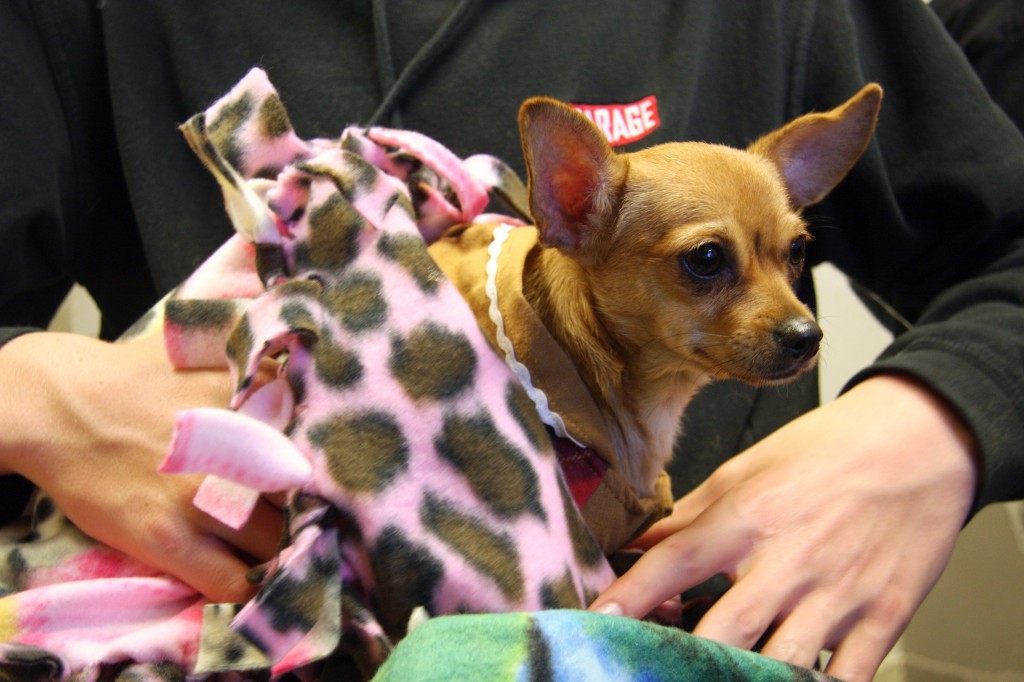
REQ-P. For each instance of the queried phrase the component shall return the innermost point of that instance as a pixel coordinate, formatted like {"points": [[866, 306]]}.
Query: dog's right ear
{"points": [[574, 176]]}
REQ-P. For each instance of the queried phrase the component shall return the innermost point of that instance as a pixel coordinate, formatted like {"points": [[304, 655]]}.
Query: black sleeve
{"points": [[64, 212], [991, 34], [37, 168], [932, 219]]}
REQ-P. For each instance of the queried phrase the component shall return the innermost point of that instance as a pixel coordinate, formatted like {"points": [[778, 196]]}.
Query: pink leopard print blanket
{"points": [[417, 471]]}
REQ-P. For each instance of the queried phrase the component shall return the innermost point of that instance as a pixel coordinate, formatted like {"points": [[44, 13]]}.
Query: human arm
{"points": [[991, 34], [834, 546], [89, 422]]}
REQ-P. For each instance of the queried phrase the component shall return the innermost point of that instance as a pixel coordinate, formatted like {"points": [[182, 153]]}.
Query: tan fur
{"points": [[612, 285]]}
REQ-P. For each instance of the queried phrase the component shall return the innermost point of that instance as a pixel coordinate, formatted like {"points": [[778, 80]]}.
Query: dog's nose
{"points": [[798, 337]]}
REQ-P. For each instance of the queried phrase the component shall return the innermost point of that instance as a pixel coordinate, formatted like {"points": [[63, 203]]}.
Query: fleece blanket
{"points": [[420, 481]]}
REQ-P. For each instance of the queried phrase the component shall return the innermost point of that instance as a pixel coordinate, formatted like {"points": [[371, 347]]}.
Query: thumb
{"points": [[687, 508]]}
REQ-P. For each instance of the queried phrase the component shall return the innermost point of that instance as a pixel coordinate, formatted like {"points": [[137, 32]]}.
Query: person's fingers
{"points": [[259, 538], [689, 507], [802, 634], [862, 650], [684, 511], [686, 558], [745, 612], [276, 500], [212, 569], [206, 563]]}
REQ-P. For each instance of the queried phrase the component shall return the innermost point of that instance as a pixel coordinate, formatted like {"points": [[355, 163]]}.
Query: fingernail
{"points": [[610, 609]]}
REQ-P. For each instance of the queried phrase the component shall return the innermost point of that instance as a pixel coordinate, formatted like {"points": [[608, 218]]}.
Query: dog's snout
{"points": [[798, 337]]}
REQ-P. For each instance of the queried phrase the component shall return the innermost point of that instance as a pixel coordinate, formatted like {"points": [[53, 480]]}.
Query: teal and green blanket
{"points": [[571, 646]]}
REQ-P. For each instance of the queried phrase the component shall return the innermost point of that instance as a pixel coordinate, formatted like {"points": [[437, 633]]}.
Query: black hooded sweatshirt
{"points": [[99, 187]]}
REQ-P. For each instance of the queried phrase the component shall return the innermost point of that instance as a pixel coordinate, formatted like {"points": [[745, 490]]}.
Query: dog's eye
{"points": [[705, 261], [798, 253]]}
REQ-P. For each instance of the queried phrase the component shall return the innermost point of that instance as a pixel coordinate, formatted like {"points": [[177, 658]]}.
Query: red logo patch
{"points": [[624, 123]]}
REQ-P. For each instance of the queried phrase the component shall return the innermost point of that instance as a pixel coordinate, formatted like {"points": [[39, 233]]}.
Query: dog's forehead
{"points": [[684, 183]]}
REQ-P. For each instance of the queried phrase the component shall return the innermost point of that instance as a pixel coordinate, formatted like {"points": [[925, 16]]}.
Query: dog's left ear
{"points": [[575, 178], [814, 152]]}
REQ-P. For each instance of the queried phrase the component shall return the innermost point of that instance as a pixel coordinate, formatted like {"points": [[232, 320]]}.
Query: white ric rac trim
{"points": [[547, 415]]}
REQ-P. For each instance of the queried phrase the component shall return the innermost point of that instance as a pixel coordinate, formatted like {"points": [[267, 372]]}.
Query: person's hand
{"points": [[89, 422], [833, 530]]}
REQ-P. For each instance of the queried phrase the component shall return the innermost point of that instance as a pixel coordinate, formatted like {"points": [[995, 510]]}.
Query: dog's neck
{"points": [[640, 402]]}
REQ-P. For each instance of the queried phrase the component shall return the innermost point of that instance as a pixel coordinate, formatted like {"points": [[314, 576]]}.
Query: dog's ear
{"points": [[814, 152], [574, 176]]}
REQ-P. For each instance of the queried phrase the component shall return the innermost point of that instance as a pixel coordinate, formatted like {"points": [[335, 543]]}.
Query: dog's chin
{"points": [[760, 374], [776, 376]]}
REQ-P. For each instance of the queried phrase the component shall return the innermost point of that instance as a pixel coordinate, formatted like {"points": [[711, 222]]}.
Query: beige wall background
{"points": [[971, 627]]}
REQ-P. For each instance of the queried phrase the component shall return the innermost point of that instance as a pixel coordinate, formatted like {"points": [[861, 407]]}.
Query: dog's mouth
{"points": [[762, 361], [783, 375], [760, 374]]}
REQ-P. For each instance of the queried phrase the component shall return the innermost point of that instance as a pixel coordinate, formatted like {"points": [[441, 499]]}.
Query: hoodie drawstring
{"points": [[396, 88]]}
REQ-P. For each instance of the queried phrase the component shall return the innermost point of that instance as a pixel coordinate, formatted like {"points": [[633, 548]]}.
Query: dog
{"points": [[661, 270]]}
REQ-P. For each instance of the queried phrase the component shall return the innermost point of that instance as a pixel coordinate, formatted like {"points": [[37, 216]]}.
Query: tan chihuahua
{"points": [[673, 266]]}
